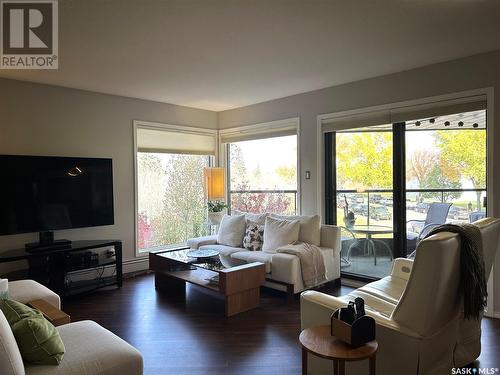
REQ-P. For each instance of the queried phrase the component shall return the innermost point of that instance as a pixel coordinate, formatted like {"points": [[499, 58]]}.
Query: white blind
{"points": [[175, 141], [407, 113], [268, 130]]}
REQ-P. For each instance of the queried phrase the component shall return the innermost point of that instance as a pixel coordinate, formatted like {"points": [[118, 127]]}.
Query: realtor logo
{"points": [[29, 34]]}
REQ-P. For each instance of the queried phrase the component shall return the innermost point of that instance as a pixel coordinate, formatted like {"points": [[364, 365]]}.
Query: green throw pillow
{"points": [[37, 339]]}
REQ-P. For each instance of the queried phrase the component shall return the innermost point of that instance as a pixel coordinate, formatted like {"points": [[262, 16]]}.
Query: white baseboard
{"points": [[135, 265]]}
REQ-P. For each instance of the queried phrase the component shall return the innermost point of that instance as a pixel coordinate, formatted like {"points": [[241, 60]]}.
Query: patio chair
{"points": [[477, 215], [347, 239], [436, 215]]}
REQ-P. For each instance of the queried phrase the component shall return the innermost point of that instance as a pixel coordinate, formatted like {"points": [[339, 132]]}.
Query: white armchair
{"points": [[418, 310]]}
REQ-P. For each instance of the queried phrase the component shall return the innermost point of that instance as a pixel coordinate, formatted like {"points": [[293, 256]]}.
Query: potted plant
{"points": [[216, 211], [349, 218]]}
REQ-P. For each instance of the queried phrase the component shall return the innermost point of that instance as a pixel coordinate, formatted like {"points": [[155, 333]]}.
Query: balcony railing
{"points": [[275, 201], [381, 200]]}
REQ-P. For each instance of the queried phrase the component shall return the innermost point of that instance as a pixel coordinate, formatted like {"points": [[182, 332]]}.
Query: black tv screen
{"points": [[42, 193]]}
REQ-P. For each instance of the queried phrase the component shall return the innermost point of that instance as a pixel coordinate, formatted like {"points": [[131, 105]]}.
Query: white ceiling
{"points": [[222, 54]]}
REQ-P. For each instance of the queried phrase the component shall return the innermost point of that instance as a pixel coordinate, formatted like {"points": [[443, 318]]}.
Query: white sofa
{"points": [[90, 349], [418, 310], [283, 271]]}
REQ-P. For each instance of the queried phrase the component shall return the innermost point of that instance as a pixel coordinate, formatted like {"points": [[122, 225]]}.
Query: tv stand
{"points": [[46, 242], [80, 267]]}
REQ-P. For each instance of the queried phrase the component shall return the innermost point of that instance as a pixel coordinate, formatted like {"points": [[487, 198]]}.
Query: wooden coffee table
{"points": [[319, 341], [239, 285]]}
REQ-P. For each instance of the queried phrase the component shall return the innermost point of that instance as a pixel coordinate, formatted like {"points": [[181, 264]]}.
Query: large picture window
{"points": [[171, 205], [263, 175], [389, 185]]}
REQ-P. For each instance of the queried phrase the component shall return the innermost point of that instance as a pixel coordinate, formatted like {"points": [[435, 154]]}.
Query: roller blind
{"points": [[175, 141], [252, 132], [407, 113]]}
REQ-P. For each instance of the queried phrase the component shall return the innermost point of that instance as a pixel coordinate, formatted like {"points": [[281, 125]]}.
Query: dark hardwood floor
{"points": [[193, 336]]}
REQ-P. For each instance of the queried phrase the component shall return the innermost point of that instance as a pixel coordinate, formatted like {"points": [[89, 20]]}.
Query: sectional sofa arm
{"points": [[330, 237], [401, 267], [316, 309], [195, 243]]}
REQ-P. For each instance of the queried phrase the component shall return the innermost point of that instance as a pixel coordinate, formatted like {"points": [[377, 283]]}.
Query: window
{"points": [[389, 185], [263, 175], [445, 163], [171, 206]]}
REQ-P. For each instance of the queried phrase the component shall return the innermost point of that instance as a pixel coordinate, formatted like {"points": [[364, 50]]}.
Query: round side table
{"points": [[319, 342]]}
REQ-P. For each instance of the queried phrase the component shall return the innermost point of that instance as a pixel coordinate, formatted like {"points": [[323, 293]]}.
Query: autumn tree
{"points": [[171, 198], [184, 202], [287, 174], [463, 153], [364, 160], [436, 179], [420, 163]]}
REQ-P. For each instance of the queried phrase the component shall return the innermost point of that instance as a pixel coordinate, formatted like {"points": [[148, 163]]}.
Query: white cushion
{"points": [[254, 256], [279, 233], [25, 291], [92, 349], [256, 218], [232, 230], [11, 362], [309, 227]]}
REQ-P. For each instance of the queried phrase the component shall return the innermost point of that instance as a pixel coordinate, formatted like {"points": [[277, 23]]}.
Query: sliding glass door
{"points": [[389, 185], [364, 199]]}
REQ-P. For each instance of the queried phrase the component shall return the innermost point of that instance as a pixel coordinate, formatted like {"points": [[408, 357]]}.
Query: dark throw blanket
{"points": [[472, 272]]}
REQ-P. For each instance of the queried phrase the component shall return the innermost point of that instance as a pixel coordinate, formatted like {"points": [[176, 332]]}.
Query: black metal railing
{"points": [[370, 192]]}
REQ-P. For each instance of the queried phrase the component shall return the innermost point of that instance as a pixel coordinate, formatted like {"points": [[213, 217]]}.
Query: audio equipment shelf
{"points": [[81, 267]]}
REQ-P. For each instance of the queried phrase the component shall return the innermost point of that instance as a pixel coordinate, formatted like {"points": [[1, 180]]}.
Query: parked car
{"points": [[357, 198], [380, 213], [360, 209], [457, 213], [411, 205], [375, 198], [386, 202], [422, 207]]}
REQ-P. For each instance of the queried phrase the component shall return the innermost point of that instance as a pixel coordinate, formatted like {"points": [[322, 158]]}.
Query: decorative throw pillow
{"points": [[279, 233], [254, 236], [232, 230], [4, 288], [37, 339], [309, 227]]}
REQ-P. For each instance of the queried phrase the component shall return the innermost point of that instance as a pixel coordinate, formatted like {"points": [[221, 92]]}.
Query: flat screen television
{"points": [[45, 193]]}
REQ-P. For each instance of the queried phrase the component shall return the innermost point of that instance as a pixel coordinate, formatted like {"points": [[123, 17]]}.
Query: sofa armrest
{"points": [[25, 291], [330, 237], [195, 243], [401, 267], [316, 309]]}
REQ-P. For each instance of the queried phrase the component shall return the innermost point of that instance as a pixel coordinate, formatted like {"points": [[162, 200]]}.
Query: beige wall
{"points": [[474, 72], [46, 120]]}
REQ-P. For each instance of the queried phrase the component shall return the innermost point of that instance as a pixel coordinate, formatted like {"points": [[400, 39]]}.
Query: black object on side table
{"points": [[58, 268]]}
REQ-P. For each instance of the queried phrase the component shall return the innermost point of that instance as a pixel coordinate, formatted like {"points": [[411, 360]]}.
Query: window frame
{"points": [[261, 131], [138, 124]]}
